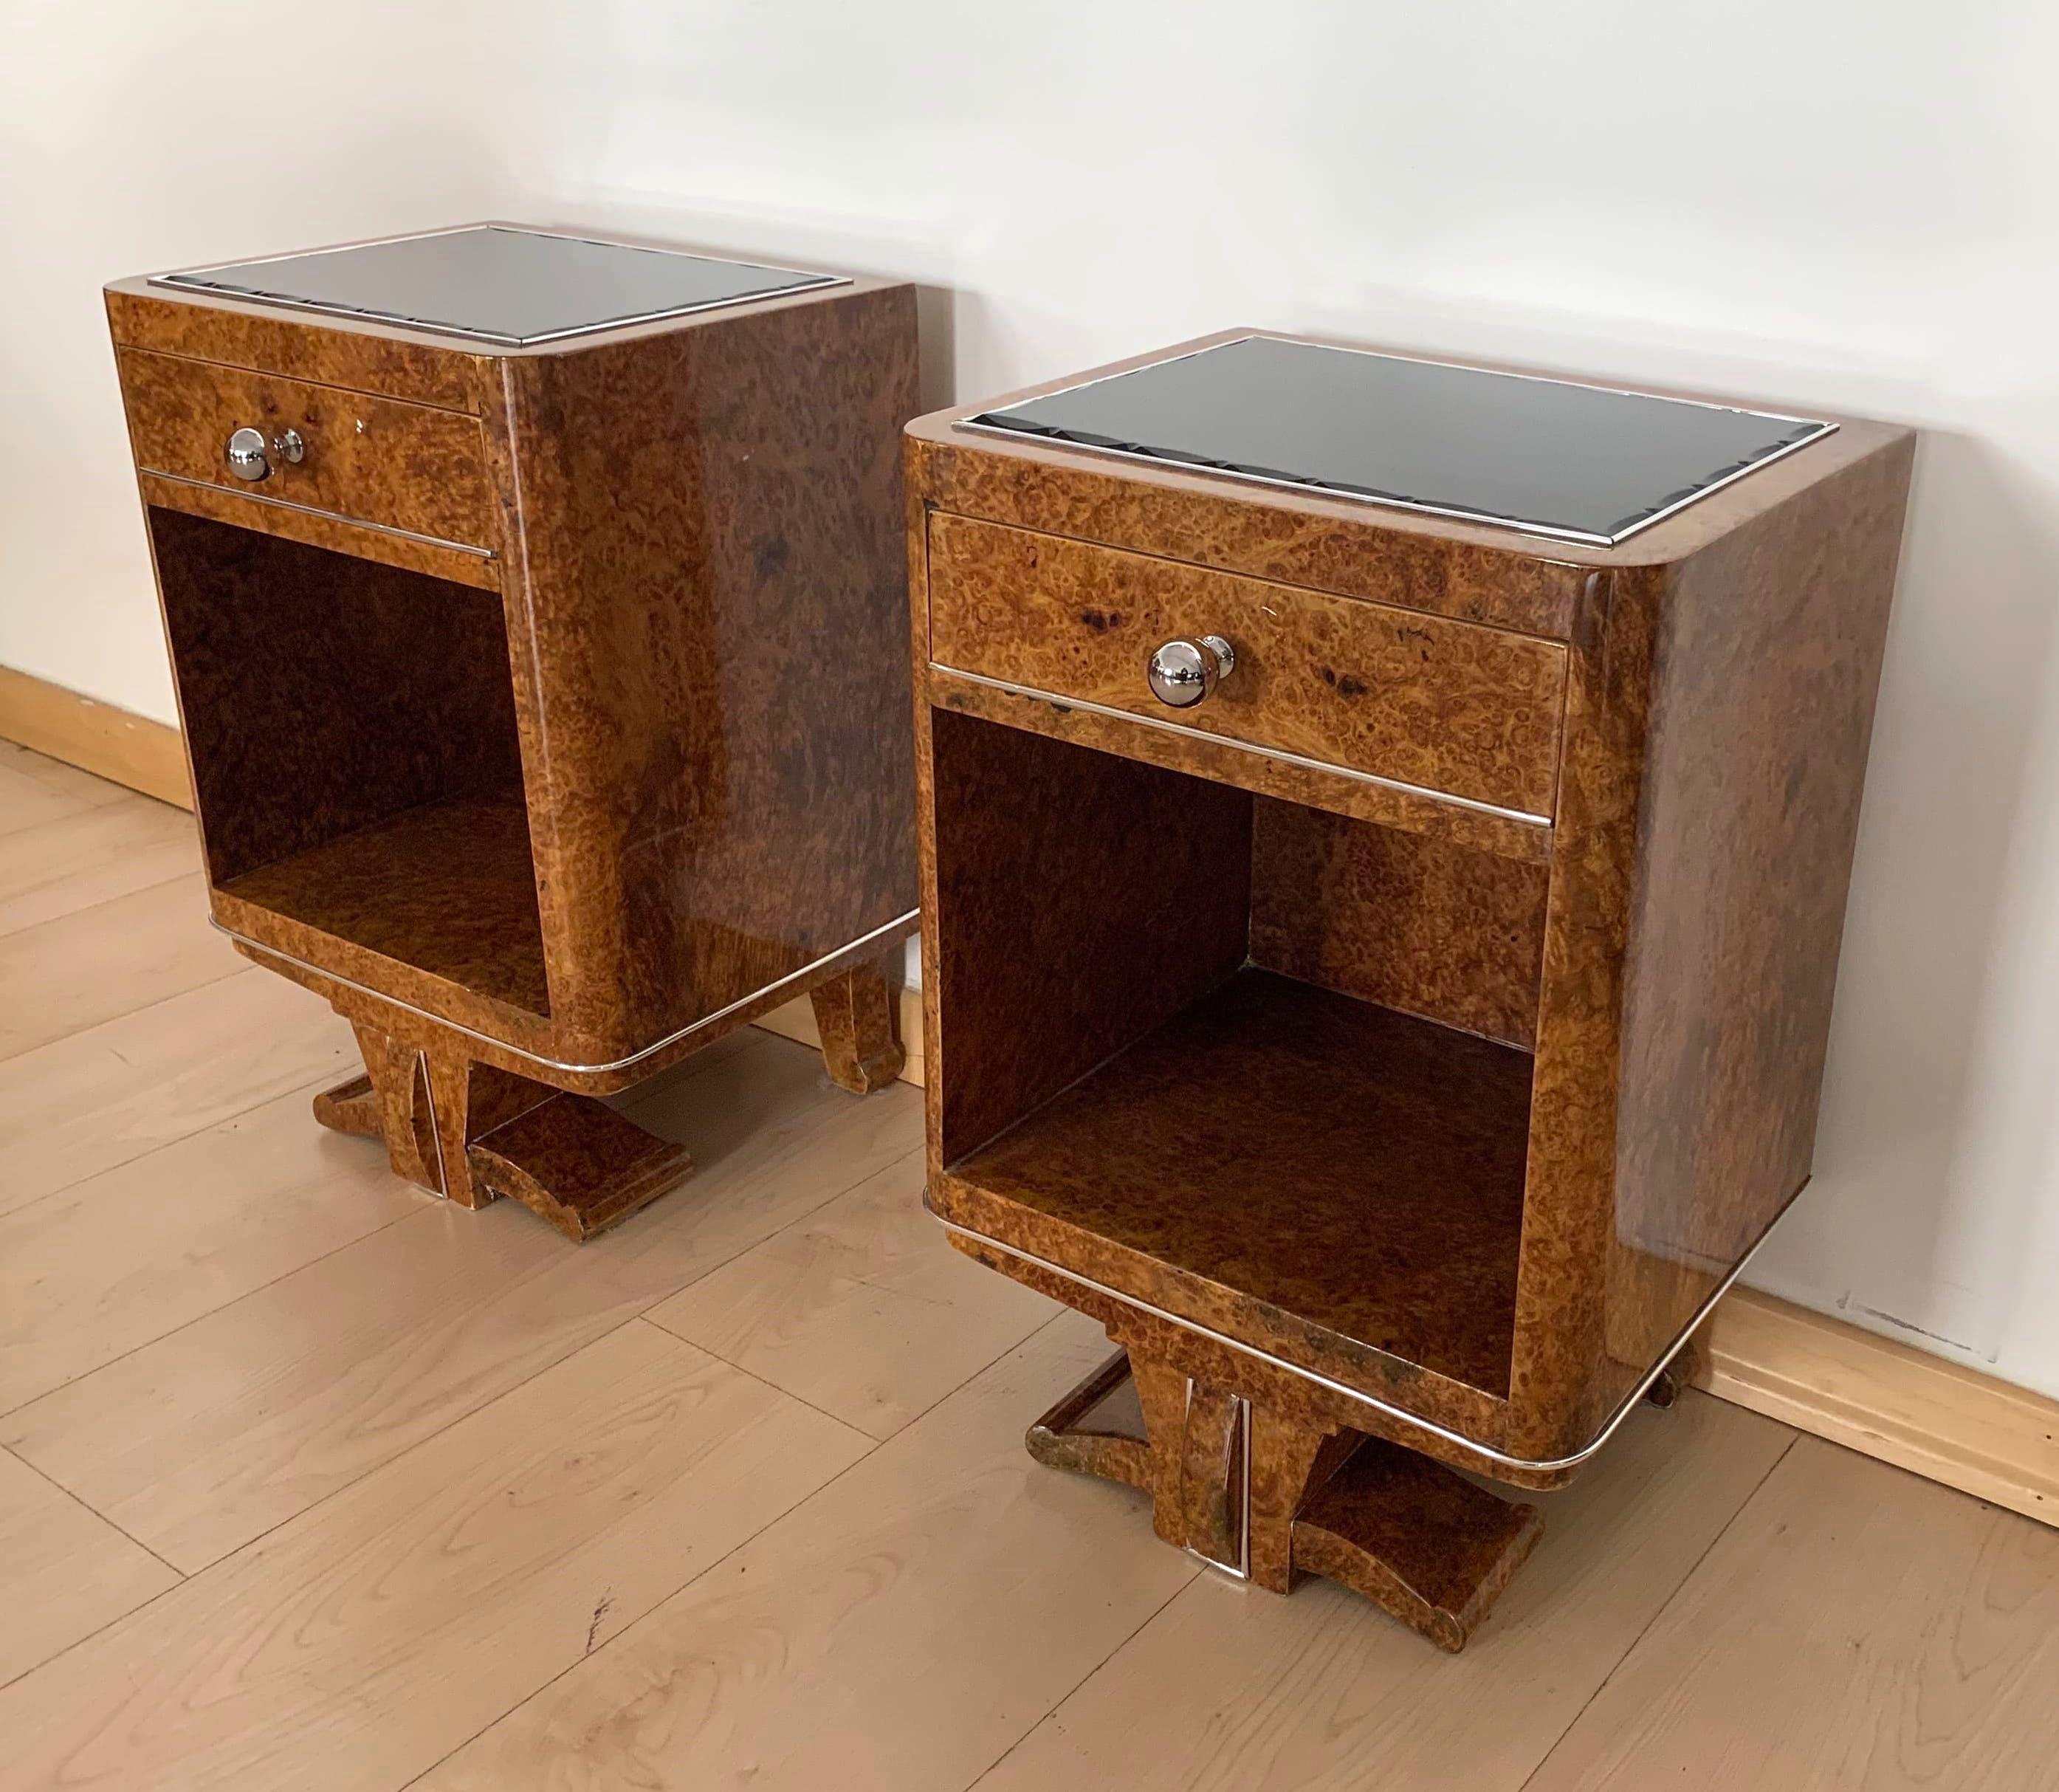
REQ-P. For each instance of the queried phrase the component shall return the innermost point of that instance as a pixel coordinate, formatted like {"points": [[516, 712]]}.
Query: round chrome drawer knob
{"points": [[1183, 672], [245, 455], [290, 444]]}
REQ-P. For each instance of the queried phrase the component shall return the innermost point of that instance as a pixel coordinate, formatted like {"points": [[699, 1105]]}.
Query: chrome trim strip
{"points": [[188, 280], [900, 924], [1585, 537], [330, 515], [1528, 1465], [1280, 754]]}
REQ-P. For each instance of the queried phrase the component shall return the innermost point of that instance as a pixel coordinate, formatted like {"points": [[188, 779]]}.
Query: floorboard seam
{"points": [[256, 1288], [1149, 1618], [120, 1618], [433, 1202], [630, 1629], [1665, 1605]]}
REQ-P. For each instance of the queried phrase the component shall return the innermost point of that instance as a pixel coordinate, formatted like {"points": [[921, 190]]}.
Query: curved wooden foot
{"points": [[858, 1015], [471, 1132], [1680, 1372], [1256, 1492], [350, 1107]]}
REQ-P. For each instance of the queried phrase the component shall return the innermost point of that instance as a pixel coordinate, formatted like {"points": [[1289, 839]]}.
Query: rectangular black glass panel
{"points": [[499, 284], [1582, 463]]}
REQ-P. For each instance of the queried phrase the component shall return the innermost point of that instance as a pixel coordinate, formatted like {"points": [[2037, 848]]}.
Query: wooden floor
{"points": [[308, 1481]]}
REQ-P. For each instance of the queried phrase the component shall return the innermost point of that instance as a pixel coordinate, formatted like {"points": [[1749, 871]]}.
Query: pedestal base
{"points": [[471, 1131], [1269, 1496]]}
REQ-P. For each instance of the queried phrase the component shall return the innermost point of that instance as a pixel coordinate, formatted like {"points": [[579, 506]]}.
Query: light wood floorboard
{"points": [[1855, 1628], [357, 1648], [463, 1506], [64, 1573], [114, 1091], [126, 1256], [34, 789], [894, 1634], [64, 975], [206, 1438], [1229, 1689], [76, 861], [857, 1309]]}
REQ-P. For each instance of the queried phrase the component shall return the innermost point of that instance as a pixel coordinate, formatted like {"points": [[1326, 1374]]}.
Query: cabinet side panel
{"points": [[1080, 900], [712, 584], [1767, 663]]}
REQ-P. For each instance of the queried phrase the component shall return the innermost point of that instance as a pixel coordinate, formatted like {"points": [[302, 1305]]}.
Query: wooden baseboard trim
{"points": [[1943, 1420], [111, 743], [796, 1020]]}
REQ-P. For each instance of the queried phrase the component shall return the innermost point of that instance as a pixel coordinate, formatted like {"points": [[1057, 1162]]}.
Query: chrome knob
{"points": [[1183, 672], [245, 455], [290, 444]]}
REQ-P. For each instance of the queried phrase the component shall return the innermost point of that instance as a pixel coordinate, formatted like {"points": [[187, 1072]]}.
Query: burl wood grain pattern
{"points": [[1420, 1542], [1522, 1230], [1222, 760], [322, 693], [362, 357], [1337, 1183], [248, 509], [1442, 705], [711, 598], [614, 764], [471, 1131], [859, 1017], [1408, 921], [1716, 847], [1042, 854], [373, 459]]}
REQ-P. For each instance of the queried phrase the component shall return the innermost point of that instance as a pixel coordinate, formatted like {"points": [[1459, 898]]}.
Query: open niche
{"points": [[353, 731], [1264, 1064]]}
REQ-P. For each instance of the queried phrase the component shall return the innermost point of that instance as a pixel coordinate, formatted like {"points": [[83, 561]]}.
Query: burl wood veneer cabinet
{"points": [[1385, 830], [534, 605]]}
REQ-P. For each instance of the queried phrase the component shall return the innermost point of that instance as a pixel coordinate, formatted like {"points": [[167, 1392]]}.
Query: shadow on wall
{"points": [[1930, 1155]]}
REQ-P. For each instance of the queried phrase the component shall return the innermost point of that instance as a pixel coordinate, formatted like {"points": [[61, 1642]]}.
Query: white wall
{"points": [[1845, 203]]}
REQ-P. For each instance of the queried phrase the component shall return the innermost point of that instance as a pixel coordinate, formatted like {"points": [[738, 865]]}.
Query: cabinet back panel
{"points": [[1404, 920]]}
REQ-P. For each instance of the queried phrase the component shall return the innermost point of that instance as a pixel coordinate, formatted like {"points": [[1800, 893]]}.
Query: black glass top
{"points": [[1551, 456], [499, 284]]}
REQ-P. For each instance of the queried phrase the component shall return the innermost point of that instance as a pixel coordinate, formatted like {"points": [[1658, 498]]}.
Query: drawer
{"points": [[1447, 707], [377, 461]]}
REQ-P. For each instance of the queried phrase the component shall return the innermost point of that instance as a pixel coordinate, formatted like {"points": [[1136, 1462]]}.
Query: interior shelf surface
{"points": [[449, 888], [1357, 1168]]}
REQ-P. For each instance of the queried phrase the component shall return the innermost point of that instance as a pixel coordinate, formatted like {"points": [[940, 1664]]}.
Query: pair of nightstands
{"points": [[1383, 828]]}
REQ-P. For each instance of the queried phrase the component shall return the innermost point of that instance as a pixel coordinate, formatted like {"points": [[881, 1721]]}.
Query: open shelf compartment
{"points": [[357, 765], [1263, 1066]]}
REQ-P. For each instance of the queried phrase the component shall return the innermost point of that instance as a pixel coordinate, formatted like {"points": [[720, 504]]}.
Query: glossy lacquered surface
{"points": [[495, 283], [1551, 455], [1409, 1039], [548, 716]]}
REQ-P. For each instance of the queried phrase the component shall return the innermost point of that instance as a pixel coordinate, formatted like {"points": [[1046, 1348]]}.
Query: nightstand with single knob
{"points": [[1385, 828], [535, 612]]}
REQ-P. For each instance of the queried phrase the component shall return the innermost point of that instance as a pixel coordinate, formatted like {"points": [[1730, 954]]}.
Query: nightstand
{"points": [[1385, 830], [534, 604]]}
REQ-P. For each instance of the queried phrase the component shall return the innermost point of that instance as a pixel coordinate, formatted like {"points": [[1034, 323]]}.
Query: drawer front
{"points": [[1447, 707], [379, 460]]}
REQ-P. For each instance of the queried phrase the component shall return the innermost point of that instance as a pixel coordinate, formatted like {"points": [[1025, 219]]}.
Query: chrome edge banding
{"points": [[1487, 1452], [188, 280], [1276, 753], [856, 946], [1582, 538], [249, 496]]}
